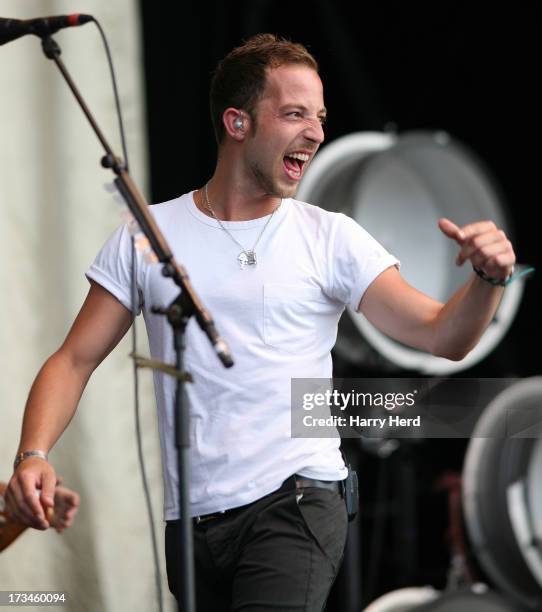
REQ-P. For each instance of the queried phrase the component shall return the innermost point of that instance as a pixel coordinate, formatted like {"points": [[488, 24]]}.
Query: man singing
{"points": [[276, 273]]}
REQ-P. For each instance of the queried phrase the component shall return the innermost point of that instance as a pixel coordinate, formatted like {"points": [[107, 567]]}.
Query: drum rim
{"points": [[373, 143]]}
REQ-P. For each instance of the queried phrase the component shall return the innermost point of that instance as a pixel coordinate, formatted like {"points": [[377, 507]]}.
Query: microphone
{"points": [[11, 29]]}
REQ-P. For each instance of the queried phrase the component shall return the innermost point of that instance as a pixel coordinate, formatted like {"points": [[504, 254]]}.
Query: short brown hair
{"points": [[239, 79]]}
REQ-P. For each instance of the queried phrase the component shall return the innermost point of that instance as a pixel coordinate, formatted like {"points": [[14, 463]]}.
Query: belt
{"points": [[294, 482]]}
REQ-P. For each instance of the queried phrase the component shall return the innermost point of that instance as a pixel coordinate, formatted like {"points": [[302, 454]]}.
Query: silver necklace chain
{"points": [[245, 258]]}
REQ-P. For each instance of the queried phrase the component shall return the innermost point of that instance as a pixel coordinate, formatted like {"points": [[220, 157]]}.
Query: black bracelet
{"points": [[491, 280], [519, 271]]}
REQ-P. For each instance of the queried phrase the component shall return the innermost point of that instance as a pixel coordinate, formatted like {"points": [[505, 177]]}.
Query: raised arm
{"points": [[54, 396], [448, 330]]}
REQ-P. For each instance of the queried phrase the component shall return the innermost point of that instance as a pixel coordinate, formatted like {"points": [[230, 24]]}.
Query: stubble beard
{"points": [[271, 186]]}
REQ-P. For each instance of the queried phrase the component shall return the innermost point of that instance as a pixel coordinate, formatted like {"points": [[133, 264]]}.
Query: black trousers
{"points": [[281, 552]]}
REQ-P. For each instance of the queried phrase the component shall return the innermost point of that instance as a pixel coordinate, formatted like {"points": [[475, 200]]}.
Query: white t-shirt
{"points": [[280, 321]]}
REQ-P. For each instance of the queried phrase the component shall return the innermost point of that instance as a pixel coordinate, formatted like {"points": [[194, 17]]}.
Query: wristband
{"points": [[492, 280], [26, 454], [522, 270]]}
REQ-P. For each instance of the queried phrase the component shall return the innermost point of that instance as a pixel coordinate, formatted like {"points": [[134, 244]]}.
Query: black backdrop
{"points": [[468, 70]]}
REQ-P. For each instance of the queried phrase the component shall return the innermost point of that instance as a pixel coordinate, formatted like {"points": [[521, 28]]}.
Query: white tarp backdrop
{"points": [[55, 216]]}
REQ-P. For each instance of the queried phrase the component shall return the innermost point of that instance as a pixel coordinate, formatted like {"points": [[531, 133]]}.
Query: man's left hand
{"points": [[484, 245]]}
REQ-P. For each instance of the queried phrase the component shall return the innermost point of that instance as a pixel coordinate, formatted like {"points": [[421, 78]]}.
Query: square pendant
{"points": [[246, 258]]}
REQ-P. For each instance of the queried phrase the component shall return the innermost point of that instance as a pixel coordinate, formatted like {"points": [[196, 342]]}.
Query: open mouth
{"points": [[294, 163]]}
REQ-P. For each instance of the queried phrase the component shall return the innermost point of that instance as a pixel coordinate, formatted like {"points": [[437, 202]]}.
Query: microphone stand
{"points": [[178, 314]]}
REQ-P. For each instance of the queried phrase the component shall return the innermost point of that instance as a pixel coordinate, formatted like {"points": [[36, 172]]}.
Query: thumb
{"points": [[451, 230], [48, 483]]}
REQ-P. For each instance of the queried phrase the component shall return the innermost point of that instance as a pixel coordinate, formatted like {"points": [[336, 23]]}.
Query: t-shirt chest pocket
{"points": [[297, 319]]}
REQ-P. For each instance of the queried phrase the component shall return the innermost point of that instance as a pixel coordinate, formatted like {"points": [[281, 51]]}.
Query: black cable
{"points": [[135, 302], [116, 93]]}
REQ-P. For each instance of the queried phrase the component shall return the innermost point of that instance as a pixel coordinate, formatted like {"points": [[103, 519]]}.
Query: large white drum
{"points": [[477, 598], [397, 187], [502, 492], [403, 600], [469, 601]]}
